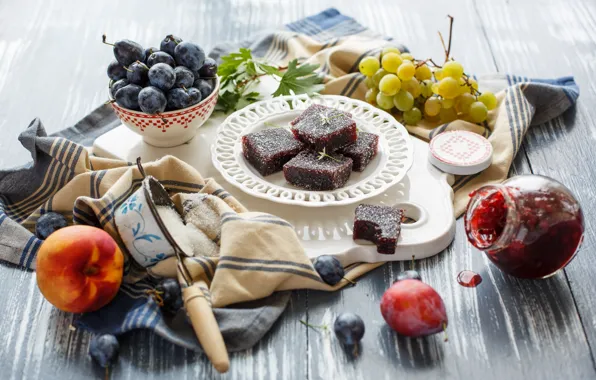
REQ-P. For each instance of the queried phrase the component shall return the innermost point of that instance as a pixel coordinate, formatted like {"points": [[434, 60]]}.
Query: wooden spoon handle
{"points": [[203, 322]]}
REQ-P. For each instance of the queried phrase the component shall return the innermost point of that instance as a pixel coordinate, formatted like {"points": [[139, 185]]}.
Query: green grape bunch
{"points": [[398, 82]]}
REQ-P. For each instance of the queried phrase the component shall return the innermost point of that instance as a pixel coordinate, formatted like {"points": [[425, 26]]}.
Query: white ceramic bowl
{"points": [[171, 128]]}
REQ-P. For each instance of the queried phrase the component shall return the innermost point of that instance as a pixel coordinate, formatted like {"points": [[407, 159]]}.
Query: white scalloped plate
{"points": [[391, 164]]}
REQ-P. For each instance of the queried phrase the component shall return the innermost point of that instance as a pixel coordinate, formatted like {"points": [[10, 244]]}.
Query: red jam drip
{"points": [[469, 279]]}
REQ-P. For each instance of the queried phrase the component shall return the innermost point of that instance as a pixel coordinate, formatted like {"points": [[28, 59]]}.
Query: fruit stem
{"points": [[103, 39], [324, 327], [91, 270], [412, 264], [350, 281], [107, 374], [156, 296], [451, 19], [355, 351], [127, 69], [446, 339], [110, 101]]}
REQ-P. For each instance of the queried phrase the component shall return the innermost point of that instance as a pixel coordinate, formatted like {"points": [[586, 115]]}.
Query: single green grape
{"points": [[453, 69], [439, 74], [390, 49], [412, 116], [447, 115], [369, 82], [474, 83], [389, 84], [403, 100], [489, 99], [385, 102], [463, 102], [478, 112], [369, 66], [391, 62], [412, 86], [406, 70], [371, 95], [435, 88], [423, 72], [447, 103], [448, 88], [432, 106], [378, 76], [407, 57], [426, 88]]}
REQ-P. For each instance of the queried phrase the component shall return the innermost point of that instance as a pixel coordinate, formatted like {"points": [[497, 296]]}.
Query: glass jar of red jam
{"points": [[529, 226]]}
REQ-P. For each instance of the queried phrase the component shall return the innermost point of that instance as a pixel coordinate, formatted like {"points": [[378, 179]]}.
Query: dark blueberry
{"points": [[184, 77], [162, 76], [349, 328], [148, 53], [104, 350], [152, 100], [137, 73], [178, 98], [205, 86], [117, 86], [48, 224], [161, 57], [127, 52], [409, 275], [169, 44], [128, 96], [116, 71], [209, 68], [171, 294], [189, 55], [329, 268], [195, 95]]}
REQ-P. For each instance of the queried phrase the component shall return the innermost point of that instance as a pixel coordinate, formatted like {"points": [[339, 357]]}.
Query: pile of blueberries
{"points": [[175, 76]]}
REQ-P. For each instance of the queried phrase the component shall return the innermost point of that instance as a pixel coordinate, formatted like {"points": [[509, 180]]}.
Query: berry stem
{"points": [[323, 327], [412, 264], [451, 19], [107, 374], [350, 281], [103, 39], [446, 339]]}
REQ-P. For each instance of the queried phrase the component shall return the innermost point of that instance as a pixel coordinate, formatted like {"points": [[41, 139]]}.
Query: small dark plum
{"points": [[409, 275], [126, 51], [329, 268], [117, 86], [116, 71], [152, 100], [48, 224], [195, 95], [204, 85], [189, 55], [349, 328], [184, 77], [162, 76], [178, 98], [169, 44], [137, 73], [148, 53], [170, 292], [161, 57], [104, 349], [128, 96], [209, 68]]}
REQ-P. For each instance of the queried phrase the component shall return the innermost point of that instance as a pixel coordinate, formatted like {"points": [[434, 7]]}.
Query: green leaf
{"points": [[300, 79], [268, 69], [231, 62], [227, 101]]}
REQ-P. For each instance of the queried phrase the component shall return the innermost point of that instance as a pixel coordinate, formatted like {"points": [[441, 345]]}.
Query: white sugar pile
{"points": [[188, 237]]}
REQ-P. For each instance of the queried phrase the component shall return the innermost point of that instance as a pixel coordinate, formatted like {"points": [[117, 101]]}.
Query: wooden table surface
{"points": [[52, 66]]}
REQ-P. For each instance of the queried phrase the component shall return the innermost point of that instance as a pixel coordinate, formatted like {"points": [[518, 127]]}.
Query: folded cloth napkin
{"points": [[337, 43]]}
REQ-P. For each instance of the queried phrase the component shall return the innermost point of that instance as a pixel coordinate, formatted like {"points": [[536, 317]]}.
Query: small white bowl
{"points": [[171, 128]]}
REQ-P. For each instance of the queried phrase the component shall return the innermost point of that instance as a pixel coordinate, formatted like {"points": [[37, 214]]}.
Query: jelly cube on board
{"points": [[326, 128], [307, 171], [378, 224], [362, 151], [268, 150]]}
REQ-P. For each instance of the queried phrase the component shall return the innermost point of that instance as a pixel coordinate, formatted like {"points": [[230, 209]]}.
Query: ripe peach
{"points": [[79, 269]]}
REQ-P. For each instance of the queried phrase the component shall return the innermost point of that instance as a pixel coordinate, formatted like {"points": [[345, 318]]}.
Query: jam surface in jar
{"points": [[529, 227]]}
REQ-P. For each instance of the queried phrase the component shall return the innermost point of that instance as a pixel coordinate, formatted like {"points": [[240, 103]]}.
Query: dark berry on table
{"points": [[184, 77], [137, 72], [117, 86], [195, 95], [162, 76], [169, 43], [128, 96], [378, 224], [152, 100], [170, 292], [160, 57], [48, 224], [349, 328], [326, 128], [362, 151], [308, 170], [148, 53], [268, 150], [413, 308], [116, 71], [329, 268], [204, 86], [127, 51], [209, 68], [178, 98], [104, 349], [409, 275], [189, 55]]}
